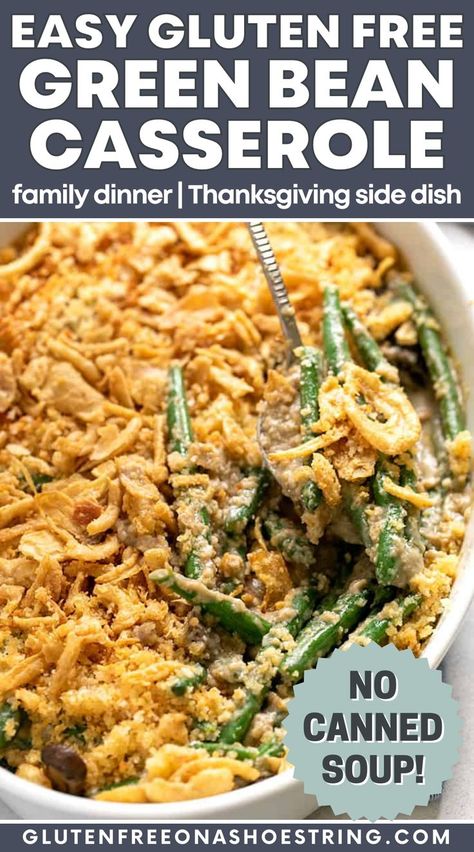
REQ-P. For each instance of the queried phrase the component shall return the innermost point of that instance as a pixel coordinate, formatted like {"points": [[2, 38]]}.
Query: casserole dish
{"points": [[427, 256]]}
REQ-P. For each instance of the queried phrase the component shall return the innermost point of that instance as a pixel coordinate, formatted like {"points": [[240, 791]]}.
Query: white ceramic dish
{"points": [[428, 255]]}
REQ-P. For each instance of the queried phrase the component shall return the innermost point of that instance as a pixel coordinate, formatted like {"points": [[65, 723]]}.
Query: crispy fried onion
{"points": [[404, 492], [326, 479], [353, 458], [459, 452], [7, 383], [25, 671], [382, 413], [312, 446], [270, 568], [31, 256], [177, 773]]}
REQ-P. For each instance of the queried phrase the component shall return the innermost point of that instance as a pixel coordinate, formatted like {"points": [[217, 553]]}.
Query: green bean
{"points": [[230, 612], [412, 522], [382, 595], [396, 519], [356, 502], [399, 537], [40, 479], [239, 724], [76, 732], [125, 782], [187, 683], [273, 748], [34, 484], [336, 349], [356, 505], [439, 448], [179, 422], [289, 538], [302, 604], [392, 530], [240, 752], [181, 436], [206, 729], [193, 566], [246, 502], [322, 634], [376, 626], [311, 367], [311, 496], [441, 373], [337, 354], [10, 721], [368, 349]]}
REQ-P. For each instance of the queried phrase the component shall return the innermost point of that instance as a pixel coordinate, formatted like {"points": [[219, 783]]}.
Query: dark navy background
{"points": [[19, 119], [268, 836]]}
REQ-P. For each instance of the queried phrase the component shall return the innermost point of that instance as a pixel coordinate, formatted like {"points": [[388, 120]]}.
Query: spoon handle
{"points": [[276, 284]]}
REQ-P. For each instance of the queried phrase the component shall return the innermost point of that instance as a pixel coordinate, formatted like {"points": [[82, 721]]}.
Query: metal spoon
{"points": [[272, 273], [283, 307]]}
